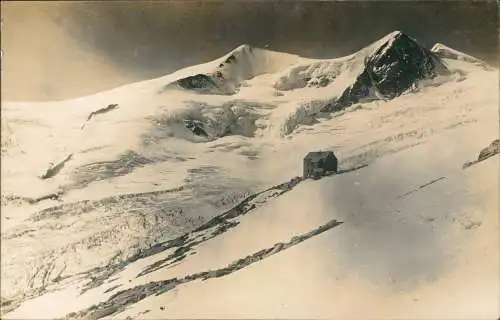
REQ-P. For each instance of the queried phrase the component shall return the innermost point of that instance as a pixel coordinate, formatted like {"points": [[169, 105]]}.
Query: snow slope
{"points": [[446, 52], [399, 248], [96, 187], [404, 258]]}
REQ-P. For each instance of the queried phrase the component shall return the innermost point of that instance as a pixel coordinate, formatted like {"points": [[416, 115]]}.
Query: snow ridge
{"points": [[446, 52]]}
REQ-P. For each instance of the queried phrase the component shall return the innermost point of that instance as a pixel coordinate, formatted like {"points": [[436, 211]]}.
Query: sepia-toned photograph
{"points": [[242, 159]]}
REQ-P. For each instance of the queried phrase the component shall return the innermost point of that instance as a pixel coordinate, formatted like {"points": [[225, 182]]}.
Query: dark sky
{"points": [[144, 39]]}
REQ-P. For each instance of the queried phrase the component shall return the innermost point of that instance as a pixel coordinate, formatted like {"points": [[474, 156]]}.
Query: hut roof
{"points": [[316, 155]]}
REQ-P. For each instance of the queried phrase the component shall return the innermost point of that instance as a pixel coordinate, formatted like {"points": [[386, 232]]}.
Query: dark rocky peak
{"points": [[399, 62], [394, 66]]}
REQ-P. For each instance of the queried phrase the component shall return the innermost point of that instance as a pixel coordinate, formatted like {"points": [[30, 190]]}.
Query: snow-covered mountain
{"points": [[142, 199], [384, 69], [241, 64]]}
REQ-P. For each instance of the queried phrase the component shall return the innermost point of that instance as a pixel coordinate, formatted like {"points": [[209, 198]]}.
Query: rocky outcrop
{"points": [[489, 151], [233, 118], [108, 108], [54, 169], [197, 127], [201, 83]]}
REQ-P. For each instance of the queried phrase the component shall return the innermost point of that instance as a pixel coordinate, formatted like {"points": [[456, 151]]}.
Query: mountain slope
{"points": [[445, 52], [126, 171], [428, 247], [393, 68], [404, 240]]}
